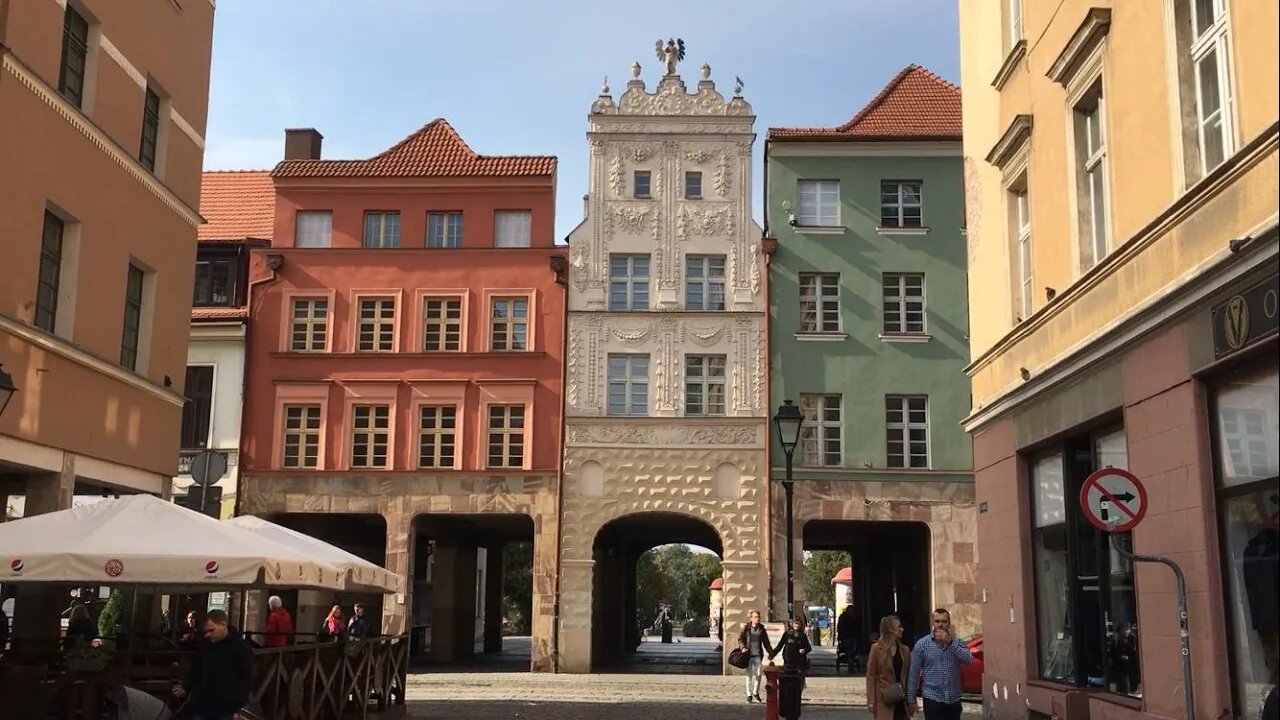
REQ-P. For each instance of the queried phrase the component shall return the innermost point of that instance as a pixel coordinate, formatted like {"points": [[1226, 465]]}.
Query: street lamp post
{"points": [[6, 389], [787, 421]]}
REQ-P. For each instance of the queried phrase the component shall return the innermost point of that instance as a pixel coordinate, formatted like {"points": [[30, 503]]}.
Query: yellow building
{"points": [[1121, 180]]}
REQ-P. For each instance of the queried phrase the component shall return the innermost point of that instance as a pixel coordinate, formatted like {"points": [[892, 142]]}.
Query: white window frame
{"points": [[817, 431], [313, 229], [901, 430], [900, 203], [1013, 24], [374, 431], [310, 421], [380, 327], [1213, 41], [705, 379], [1021, 207], [315, 324], [899, 302], [438, 426], [630, 374], [817, 306], [509, 435], [446, 325], [512, 228], [507, 331], [450, 229], [707, 274], [818, 203], [381, 229], [1094, 214], [629, 281]]}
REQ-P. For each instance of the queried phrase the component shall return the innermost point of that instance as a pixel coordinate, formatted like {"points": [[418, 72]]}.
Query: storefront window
{"points": [[1086, 607], [1246, 430]]}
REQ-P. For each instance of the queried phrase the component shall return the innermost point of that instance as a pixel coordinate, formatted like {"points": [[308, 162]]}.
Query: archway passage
{"points": [[620, 641], [473, 591], [891, 575]]}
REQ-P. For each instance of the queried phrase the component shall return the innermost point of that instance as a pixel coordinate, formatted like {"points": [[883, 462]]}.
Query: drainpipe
{"points": [[274, 262], [768, 396], [560, 265]]}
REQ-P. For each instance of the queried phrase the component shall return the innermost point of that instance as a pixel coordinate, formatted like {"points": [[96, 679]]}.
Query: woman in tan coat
{"points": [[887, 666]]}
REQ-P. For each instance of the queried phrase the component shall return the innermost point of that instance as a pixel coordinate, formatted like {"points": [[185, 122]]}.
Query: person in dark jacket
{"points": [[358, 628], [795, 648], [754, 638], [81, 629], [221, 672]]}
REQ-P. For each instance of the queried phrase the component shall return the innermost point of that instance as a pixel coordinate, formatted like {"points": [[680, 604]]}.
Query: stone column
{"points": [[399, 560], [40, 608], [453, 616], [575, 614], [545, 569], [493, 600]]}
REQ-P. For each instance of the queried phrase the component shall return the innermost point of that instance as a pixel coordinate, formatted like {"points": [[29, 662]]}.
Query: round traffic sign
{"points": [[1113, 499], [208, 467]]}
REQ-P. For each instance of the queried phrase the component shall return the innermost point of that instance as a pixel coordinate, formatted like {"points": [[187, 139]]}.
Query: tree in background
{"points": [[677, 575], [517, 585], [109, 619], [819, 567]]}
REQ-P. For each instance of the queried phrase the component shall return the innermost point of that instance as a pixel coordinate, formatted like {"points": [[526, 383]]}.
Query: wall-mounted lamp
{"points": [[7, 389], [1050, 293]]}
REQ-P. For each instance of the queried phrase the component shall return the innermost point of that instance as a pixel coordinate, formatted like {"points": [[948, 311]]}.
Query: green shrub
{"points": [[109, 620]]}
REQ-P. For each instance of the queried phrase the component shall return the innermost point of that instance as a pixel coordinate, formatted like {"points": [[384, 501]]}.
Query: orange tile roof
{"points": [[237, 204], [434, 151], [915, 105], [219, 313]]}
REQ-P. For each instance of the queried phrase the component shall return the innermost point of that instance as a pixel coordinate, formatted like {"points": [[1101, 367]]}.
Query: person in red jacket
{"points": [[279, 624]]}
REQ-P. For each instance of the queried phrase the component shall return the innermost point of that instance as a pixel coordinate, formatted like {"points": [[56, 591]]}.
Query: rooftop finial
{"points": [[604, 87], [737, 86], [706, 71], [635, 70], [670, 53]]}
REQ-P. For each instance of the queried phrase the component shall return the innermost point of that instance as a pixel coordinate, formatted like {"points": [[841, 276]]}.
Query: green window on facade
{"points": [[907, 426], [904, 304], [819, 302], [901, 204]]}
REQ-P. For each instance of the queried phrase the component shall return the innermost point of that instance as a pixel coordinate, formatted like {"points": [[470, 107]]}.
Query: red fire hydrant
{"points": [[770, 692]]}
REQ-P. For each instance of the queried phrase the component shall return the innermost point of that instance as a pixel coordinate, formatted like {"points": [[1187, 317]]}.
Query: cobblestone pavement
{"points": [[528, 696]]}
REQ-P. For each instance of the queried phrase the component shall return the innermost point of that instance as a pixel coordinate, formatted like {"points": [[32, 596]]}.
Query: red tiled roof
{"points": [[434, 151], [237, 204], [915, 105], [219, 313]]}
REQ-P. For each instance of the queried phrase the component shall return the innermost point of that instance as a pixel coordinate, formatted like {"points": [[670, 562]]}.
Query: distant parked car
{"points": [[971, 674]]}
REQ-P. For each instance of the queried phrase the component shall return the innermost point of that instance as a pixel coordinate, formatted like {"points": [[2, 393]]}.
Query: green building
{"points": [[868, 335]]}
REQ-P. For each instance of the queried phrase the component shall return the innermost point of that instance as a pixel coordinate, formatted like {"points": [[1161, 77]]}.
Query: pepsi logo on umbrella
{"points": [[16, 566], [211, 567]]}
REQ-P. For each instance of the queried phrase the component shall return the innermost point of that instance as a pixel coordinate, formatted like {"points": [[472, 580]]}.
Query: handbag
{"points": [[893, 694], [740, 658]]}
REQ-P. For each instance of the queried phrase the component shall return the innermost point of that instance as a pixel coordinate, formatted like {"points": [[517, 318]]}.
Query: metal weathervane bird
{"points": [[670, 53]]}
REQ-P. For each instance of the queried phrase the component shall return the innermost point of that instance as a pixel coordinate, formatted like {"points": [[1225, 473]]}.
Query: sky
{"points": [[519, 76]]}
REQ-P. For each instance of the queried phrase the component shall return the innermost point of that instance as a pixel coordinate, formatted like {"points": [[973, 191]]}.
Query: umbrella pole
{"points": [[133, 621]]}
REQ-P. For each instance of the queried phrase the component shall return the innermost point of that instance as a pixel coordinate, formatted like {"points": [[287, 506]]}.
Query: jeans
{"points": [[754, 671], [934, 710]]}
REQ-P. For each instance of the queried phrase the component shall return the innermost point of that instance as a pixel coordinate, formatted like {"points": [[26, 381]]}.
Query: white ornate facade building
{"points": [[666, 410]]}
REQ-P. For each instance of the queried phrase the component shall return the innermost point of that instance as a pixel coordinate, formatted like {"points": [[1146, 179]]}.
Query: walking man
{"points": [[221, 673], [935, 670]]}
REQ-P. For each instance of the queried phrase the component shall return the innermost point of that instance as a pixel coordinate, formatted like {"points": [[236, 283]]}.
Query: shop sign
{"points": [[1246, 318]]}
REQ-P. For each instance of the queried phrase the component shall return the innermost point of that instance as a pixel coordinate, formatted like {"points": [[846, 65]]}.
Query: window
{"points": [[903, 304], [628, 282], [819, 302], [314, 229], [437, 436], [132, 318], [75, 56], [370, 435], [640, 184], [509, 324], [820, 441], [301, 436], [377, 325], [215, 283], [1012, 23], [506, 436], [512, 228], [628, 385], [907, 421], [693, 185], [900, 204], [1210, 60], [1246, 410], [150, 130], [444, 230], [1020, 208], [49, 283], [819, 203], [1086, 608], [704, 385], [309, 331], [197, 412], [442, 325], [382, 229], [1091, 177], [704, 282]]}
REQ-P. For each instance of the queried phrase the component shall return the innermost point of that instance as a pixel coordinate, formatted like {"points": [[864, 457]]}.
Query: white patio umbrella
{"points": [[360, 574], [144, 540]]}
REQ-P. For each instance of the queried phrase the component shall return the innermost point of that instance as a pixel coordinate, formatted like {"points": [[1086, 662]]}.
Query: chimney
{"points": [[586, 206], [302, 144]]}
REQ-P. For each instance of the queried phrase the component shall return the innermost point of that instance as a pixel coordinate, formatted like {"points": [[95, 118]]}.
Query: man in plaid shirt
{"points": [[936, 660]]}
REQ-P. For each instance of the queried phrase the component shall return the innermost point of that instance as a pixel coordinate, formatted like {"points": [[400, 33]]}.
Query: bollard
{"points": [[770, 692]]}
